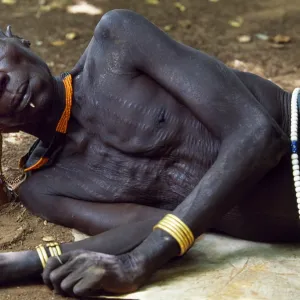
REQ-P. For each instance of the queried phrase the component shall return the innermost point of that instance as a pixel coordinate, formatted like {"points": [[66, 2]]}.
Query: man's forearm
{"points": [[116, 241]]}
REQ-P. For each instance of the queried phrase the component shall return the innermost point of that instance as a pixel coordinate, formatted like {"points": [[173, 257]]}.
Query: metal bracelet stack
{"points": [[54, 250], [178, 230]]}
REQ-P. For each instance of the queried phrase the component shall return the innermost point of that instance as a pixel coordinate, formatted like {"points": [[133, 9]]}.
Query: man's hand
{"points": [[84, 273]]}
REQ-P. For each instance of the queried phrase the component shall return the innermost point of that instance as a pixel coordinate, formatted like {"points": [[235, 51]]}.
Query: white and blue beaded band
{"points": [[295, 104]]}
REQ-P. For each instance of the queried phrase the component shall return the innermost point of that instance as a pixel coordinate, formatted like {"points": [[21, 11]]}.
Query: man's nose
{"points": [[4, 78]]}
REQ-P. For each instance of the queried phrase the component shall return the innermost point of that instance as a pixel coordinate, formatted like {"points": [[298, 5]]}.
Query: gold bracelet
{"points": [[51, 251], [38, 250], [184, 227], [178, 230], [42, 255], [172, 224], [58, 249], [181, 242], [54, 249], [189, 238], [45, 255]]}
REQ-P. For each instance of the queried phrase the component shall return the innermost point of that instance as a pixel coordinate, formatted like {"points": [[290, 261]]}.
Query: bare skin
{"points": [[156, 127]]}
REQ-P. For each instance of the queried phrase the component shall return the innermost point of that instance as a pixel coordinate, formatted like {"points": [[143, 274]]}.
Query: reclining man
{"points": [[145, 145]]}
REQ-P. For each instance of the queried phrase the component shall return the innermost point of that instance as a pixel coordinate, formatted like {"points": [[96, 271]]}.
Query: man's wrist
{"points": [[156, 250]]}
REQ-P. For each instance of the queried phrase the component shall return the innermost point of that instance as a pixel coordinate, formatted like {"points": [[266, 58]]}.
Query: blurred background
{"points": [[259, 36]]}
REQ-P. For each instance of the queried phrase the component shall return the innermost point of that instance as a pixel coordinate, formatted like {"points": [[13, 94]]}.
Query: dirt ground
{"points": [[212, 26]]}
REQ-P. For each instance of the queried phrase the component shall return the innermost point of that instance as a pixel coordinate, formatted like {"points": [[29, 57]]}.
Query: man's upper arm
{"points": [[205, 85]]}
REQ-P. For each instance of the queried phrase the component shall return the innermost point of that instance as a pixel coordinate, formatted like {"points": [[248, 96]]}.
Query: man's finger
{"points": [[90, 282], [53, 264], [71, 280]]}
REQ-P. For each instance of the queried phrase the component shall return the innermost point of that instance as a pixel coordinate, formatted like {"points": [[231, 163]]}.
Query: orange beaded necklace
{"points": [[62, 126]]}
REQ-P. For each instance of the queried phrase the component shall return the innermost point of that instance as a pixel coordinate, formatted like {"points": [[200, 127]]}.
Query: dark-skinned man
{"points": [[145, 145]]}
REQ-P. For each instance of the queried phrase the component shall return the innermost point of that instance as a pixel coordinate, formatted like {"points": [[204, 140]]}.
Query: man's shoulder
{"points": [[116, 22]]}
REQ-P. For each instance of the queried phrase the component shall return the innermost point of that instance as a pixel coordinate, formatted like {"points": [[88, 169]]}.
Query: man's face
{"points": [[26, 85]]}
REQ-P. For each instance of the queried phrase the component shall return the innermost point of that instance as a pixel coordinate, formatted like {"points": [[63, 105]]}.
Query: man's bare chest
{"points": [[130, 112], [130, 140]]}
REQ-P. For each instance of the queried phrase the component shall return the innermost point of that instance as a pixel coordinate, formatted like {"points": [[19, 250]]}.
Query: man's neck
{"points": [[46, 127]]}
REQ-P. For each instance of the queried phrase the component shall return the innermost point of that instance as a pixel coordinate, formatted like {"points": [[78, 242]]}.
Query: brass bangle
{"points": [[58, 249], [38, 250], [178, 230], [54, 252], [174, 226], [42, 255], [184, 227], [182, 244], [51, 251], [54, 249]]}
